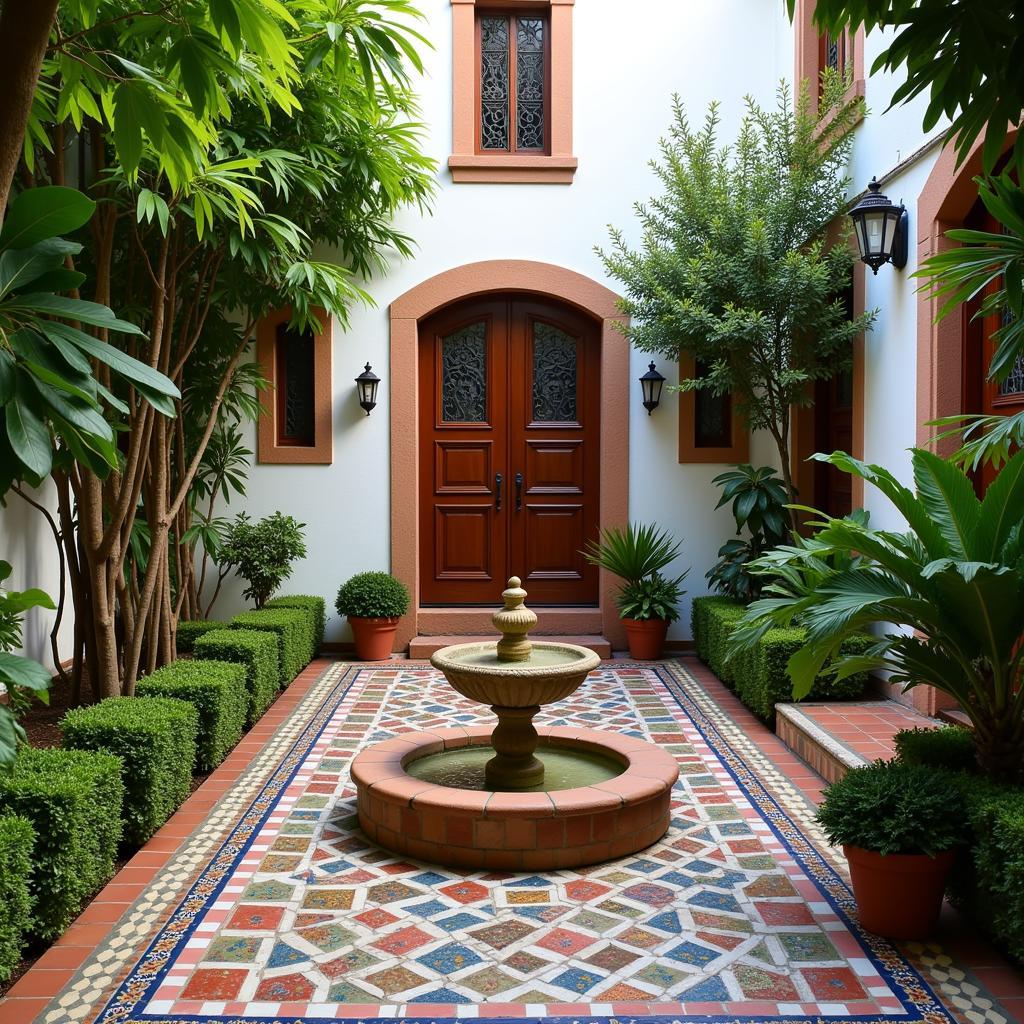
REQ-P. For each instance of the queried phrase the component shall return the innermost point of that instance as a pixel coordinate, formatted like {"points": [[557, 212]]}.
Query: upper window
{"points": [[512, 91], [512, 82], [710, 428], [833, 52]]}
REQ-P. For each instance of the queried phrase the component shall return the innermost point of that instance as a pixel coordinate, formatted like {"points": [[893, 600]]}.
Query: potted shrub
{"points": [[647, 601], [898, 825], [373, 602]]}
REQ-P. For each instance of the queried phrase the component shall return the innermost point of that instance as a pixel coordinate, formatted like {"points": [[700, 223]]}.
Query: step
{"points": [[836, 736], [954, 716], [424, 646]]}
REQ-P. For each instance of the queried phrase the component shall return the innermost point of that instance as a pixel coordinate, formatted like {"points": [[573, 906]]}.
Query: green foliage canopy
{"points": [[966, 54], [734, 267]]}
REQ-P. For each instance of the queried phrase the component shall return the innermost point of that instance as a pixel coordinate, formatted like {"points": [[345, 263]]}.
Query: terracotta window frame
{"points": [[271, 448], [810, 53], [467, 162], [689, 450]]}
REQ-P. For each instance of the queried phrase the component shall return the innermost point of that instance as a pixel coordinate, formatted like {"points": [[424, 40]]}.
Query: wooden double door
{"points": [[509, 456]]}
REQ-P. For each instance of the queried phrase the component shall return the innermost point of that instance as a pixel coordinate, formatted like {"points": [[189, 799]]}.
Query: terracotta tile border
{"points": [[32, 993], [956, 935]]}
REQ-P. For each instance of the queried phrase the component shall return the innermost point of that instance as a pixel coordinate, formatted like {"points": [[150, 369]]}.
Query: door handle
{"points": [[498, 480], [519, 492]]}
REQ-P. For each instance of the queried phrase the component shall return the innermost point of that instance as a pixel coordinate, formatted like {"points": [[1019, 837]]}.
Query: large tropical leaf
{"points": [[40, 213], [950, 500], [1002, 509]]}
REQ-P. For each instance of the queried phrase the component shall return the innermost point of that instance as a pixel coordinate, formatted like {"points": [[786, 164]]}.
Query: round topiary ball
{"points": [[373, 595]]}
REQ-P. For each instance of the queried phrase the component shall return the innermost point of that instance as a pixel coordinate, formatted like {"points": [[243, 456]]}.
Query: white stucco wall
{"points": [[625, 70], [27, 543], [624, 76]]}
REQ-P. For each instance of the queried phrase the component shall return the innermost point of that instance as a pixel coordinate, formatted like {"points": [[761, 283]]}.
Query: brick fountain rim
{"points": [[514, 831]]}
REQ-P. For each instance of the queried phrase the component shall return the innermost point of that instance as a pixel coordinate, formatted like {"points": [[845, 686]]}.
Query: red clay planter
{"points": [[374, 638], [899, 896], [646, 638], [514, 831]]}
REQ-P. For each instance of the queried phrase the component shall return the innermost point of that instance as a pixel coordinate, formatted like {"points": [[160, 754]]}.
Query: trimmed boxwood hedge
{"points": [[155, 737], [762, 680], [294, 629], [73, 800], [216, 689], [949, 746], [257, 651], [759, 675], [316, 605], [16, 840], [714, 619], [189, 631]]}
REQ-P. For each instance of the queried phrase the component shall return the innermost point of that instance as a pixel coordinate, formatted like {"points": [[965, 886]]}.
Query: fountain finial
{"points": [[514, 622]]}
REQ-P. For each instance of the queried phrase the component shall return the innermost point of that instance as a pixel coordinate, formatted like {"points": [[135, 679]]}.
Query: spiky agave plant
{"points": [[946, 595]]}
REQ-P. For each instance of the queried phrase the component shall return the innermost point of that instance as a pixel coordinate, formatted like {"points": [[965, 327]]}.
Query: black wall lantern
{"points": [[366, 384], [652, 382], [881, 229]]}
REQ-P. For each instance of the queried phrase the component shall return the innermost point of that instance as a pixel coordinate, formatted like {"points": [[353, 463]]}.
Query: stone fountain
{"points": [[515, 796]]}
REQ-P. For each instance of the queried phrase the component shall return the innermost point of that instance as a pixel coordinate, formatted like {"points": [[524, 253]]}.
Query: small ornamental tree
{"points": [[735, 267], [262, 553]]}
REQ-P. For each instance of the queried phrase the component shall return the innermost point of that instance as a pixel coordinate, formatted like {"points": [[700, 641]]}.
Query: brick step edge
{"points": [[818, 749], [424, 646]]}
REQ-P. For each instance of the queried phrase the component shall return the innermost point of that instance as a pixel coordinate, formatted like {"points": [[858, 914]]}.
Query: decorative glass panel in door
{"points": [[554, 375], [464, 375]]}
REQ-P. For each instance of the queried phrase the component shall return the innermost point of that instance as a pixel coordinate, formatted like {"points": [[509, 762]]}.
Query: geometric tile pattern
{"points": [[735, 913]]}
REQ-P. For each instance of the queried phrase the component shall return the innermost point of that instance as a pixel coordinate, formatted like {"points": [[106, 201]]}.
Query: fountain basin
{"points": [[553, 672], [514, 831]]}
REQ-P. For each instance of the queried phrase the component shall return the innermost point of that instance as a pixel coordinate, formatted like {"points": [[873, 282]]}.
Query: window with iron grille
{"points": [[513, 82]]}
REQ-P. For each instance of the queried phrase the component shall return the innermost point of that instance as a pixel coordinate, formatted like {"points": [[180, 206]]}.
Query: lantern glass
{"points": [[877, 226], [651, 384]]}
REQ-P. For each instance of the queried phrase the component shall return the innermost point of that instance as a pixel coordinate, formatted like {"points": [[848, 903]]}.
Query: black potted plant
{"points": [[898, 825], [373, 602]]}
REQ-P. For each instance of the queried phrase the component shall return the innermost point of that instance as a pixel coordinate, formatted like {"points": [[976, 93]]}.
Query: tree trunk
{"points": [[24, 33], [1000, 750]]}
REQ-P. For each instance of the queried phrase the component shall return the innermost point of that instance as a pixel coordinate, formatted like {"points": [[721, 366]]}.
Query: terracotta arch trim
{"points": [[947, 197], [525, 276]]}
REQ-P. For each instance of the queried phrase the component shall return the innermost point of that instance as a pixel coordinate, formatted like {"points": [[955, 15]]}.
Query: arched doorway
{"points": [[510, 429], [557, 296]]}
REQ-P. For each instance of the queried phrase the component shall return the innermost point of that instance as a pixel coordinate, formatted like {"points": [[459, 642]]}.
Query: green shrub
{"points": [[16, 840], [216, 689], [73, 799], [761, 679], [294, 630], [700, 612], [951, 746], [257, 651], [988, 883], [190, 631], [262, 553], [721, 621], [316, 605], [155, 737], [891, 807], [373, 595]]}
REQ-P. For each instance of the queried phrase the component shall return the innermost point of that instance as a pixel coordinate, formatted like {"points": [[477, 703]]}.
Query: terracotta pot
{"points": [[646, 638], [375, 638], [899, 896]]}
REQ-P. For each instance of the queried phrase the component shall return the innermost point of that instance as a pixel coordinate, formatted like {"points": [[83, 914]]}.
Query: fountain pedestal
{"points": [[514, 739]]}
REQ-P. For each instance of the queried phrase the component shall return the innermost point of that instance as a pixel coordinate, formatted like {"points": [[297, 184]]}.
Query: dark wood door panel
{"points": [[464, 467], [556, 535], [554, 467], [462, 542]]}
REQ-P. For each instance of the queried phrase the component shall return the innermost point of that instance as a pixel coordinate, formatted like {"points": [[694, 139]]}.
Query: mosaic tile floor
{"points": [[293, 916]]}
